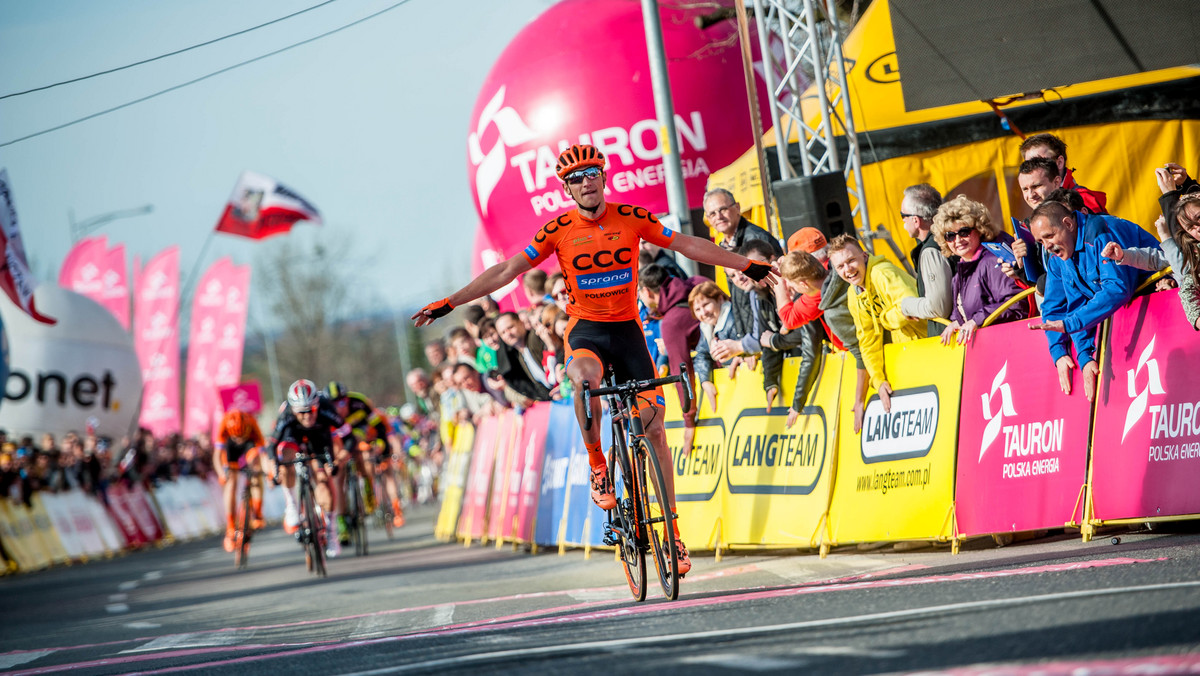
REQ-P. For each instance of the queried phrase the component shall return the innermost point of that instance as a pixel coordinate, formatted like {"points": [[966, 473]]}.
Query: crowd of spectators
{"points": [[91, 461], [968, 269]]}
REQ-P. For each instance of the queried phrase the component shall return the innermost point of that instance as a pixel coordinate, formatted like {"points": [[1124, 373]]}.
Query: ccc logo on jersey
{"points": [[552, 227], [603, 259], [636, 212]]}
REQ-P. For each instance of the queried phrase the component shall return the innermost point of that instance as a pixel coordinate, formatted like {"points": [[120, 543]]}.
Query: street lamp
{"points": [[84, 227]]}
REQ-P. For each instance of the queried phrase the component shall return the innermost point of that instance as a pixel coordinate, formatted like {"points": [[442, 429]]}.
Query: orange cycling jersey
{"points": [[599, 258]]}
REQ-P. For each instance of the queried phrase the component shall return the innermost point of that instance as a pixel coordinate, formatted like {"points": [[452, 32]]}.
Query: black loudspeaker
{"points": [[819, 201]]}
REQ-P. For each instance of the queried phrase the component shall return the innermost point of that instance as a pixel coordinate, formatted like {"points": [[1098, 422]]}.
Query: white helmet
{"points": [[408, 412], [302, 395]]}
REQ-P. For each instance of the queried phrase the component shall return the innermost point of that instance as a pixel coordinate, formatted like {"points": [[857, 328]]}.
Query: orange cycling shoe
{"points": [[602, 489], [685, 561]]}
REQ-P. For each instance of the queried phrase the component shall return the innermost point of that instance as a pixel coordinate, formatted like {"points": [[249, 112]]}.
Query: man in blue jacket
{"points": [[1082, 288]]}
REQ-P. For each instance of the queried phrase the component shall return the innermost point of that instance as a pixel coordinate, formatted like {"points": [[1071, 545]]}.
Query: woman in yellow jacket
{"points": [[878, 285]]}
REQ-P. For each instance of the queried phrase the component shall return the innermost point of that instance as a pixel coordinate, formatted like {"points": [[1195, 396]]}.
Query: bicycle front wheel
{"points": [[314, 524], [358, 529], [243, 546], [659, 519], [630, 547]]}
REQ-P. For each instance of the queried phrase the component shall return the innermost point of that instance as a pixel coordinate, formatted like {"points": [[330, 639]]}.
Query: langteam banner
{"points": [[1146, 448], [895, 480], [699, 471], [1022, 459], [779, 480], [454, 482]]}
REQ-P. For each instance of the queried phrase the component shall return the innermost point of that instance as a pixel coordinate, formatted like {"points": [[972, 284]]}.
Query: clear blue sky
{"points": [[369, 124]]}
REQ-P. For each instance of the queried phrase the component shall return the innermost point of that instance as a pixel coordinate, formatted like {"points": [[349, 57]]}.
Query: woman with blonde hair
{"points": [[979, 286]]}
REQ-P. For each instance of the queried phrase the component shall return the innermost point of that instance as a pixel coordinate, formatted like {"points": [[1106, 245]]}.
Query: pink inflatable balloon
{"points": [[580, 73]]}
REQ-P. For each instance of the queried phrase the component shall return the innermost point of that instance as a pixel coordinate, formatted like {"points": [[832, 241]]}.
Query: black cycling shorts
{"points": [[621, 345]]}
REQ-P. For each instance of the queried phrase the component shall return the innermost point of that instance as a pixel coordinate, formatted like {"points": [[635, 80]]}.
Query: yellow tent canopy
{"points": [[1117, 131]]}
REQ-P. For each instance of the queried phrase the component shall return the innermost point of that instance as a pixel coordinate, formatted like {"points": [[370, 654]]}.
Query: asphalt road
{"points": [[1053, 605]]}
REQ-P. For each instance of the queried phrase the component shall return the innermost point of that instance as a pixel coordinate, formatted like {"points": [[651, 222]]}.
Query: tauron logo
{"points": [[1137, 407], [489, 166], [1005, 407]]}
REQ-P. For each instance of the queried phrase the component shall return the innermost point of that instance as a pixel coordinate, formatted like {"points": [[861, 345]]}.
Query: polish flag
{"points": [[260, 207], [15, 277]]}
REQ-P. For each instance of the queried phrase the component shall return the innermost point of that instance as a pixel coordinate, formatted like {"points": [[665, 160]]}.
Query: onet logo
{"points": [[1137, 407], [489, 166], [1005, 407]]}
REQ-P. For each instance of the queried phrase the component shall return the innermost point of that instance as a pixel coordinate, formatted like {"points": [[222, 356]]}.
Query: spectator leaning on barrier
{"points": [[804, 274], [979, 286], [754, 313], [725, 216], [711, 307], [1082, 288], [1054, 149], [520, 363], [1179, 229], [874, 302], [917, 209]]}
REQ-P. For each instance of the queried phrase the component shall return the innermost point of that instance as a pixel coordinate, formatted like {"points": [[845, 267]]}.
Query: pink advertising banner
{"points": [[499, 519], [1022, 444], [215, 346], [95, 271], [472, 522], [525, 496], [245, 396], [1146, 453], [156, 339]]}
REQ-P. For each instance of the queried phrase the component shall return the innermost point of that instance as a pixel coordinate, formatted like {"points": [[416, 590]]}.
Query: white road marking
{"points": [[142, 625], [128, 586], [118, 597], [190, 641], [117, 608], [744, 662], [152, 575], [443, 615], [621, 644], [16, 659]]}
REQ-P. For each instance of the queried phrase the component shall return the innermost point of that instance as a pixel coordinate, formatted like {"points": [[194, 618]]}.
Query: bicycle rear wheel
{"points": [[660, 520], [632, 551], [316, 552]]}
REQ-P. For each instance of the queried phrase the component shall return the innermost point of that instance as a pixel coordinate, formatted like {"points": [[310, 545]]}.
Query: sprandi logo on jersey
{"points": [[532, 153]]}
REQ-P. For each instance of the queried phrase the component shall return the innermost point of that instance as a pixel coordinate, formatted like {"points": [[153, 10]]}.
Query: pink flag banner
{"points": [[1146, 449], [505, 449], [245, 396], [472, 522], [93, 270], [525, 494], [1022, 443], [156, 339], [201, 402]]}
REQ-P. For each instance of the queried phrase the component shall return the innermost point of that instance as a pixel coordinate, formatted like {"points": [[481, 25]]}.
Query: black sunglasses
{"points": [[951, 235]]}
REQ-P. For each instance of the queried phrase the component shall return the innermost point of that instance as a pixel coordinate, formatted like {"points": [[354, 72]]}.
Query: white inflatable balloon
{"points": [[59, 376]]}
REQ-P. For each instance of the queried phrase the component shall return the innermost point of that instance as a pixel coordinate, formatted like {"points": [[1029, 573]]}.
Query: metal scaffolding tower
{"points": [[811, 44]]}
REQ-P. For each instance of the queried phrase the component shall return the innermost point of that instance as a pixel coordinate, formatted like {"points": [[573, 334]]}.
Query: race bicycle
{"points": [[241, 553], [311, 533], [356, 512], [641, 521]]}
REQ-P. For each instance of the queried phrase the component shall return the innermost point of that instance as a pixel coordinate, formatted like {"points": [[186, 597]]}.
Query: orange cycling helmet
{"points": [[578, 157], [238, 424]]}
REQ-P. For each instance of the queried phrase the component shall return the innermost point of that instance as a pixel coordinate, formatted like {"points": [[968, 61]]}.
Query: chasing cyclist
{"points": [[597, 246], [307, 420], [372, 438], [238, 444]]}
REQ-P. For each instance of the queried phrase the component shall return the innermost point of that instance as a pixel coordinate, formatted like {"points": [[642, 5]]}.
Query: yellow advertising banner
{"points": [[698, 494], [779, 479], [16, 531], [454, 481], [895, 480]]}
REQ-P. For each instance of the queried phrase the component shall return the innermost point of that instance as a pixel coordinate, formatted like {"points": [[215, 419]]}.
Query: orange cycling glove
{"points": [[757, 271], [439, 308]]}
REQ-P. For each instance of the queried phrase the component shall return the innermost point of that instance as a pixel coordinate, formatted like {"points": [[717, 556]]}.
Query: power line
{"points": [[163, 56], [201, 78]]}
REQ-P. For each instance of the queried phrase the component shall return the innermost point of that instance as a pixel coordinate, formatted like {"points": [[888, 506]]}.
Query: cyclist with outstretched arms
{"points": [[237, 446], [307, 420], [597, 246], [372, 437]]}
